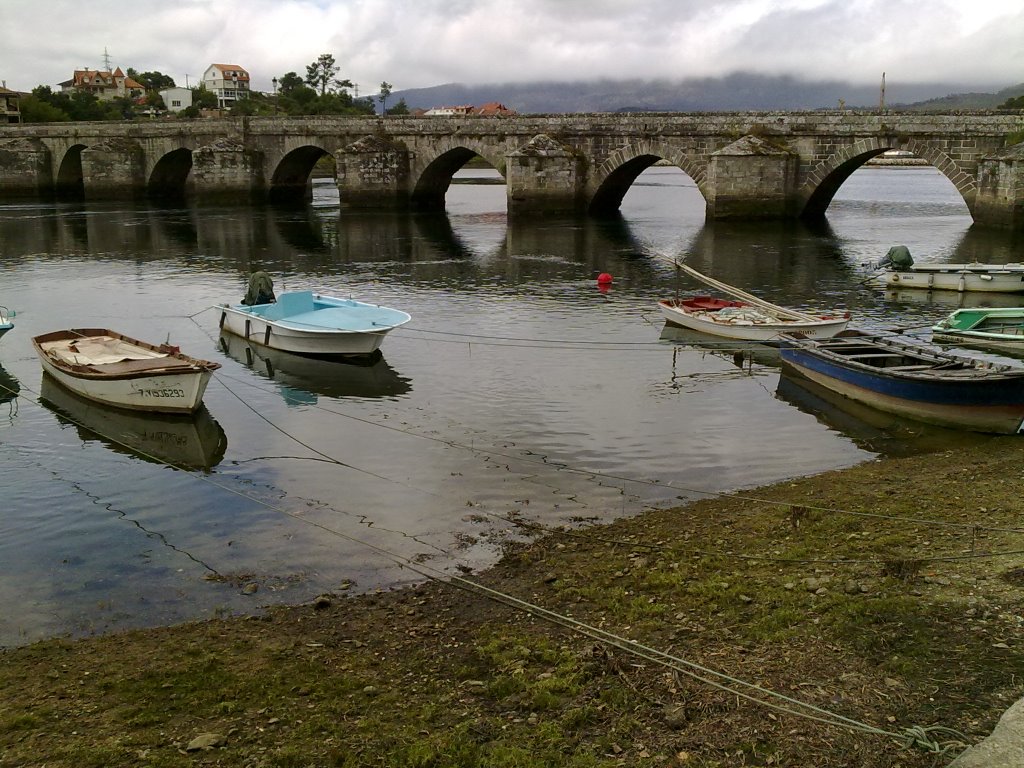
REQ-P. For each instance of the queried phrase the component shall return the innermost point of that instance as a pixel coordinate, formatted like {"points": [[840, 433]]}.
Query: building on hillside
{"points": [[465, 109], [494, 109], [176, 99], [10, 105], [228, 82], [104, 85], [490, 109]]}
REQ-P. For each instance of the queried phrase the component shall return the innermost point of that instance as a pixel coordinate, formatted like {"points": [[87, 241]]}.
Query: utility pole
{"points": [[106, 60]]}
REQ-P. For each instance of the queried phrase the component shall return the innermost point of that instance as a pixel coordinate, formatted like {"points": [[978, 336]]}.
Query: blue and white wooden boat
{"points": [[911, 380], [999, 328], [5, 321], [308, 323]]}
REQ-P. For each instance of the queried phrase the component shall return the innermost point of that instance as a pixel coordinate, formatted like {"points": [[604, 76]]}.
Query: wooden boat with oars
{"points": [[912, 380], [109, 367], [745, 317]]}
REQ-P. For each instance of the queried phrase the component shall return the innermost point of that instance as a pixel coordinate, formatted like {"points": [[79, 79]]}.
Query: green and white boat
{"points": [[1000, 328]]}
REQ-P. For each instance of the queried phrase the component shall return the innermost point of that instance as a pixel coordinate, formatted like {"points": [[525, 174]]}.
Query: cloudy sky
{"points": [[417, 43]]}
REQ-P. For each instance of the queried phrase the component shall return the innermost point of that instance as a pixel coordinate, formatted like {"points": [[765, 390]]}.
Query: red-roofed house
{"points": [[229, 82], [104, 85], [495, 109]]}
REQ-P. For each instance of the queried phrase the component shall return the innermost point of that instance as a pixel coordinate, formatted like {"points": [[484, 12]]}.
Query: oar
{"points": [[750, 298]]}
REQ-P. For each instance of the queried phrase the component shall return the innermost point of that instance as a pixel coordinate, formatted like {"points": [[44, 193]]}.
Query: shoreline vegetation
{"points": [[890, 594]]}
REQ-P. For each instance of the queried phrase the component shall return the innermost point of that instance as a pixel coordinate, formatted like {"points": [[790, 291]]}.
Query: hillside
{"points": [[736, 92]]}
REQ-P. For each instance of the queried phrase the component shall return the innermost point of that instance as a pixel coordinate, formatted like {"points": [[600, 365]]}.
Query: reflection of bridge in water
{"points": [[751, 165], [308, 240]]}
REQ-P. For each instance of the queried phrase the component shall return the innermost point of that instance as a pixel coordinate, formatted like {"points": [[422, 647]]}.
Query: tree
{"points": [[203, 98], [156, 81], [401, 108], [1017, 103], [289, 82], [385, 91], [153, 81], [321, 72], [37, 110]]}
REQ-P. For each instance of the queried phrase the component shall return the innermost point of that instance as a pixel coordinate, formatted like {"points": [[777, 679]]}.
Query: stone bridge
{"points": [[746, 165]]}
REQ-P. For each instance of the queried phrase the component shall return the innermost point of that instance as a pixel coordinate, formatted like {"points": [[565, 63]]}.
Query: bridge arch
{"points": [[433, 176], [291, 180], [170, 175], [69, 181], [616, 174], [826, 179]]}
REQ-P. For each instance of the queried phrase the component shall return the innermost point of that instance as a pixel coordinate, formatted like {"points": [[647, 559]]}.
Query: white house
{"points": [[229, 82], [176, 99]]}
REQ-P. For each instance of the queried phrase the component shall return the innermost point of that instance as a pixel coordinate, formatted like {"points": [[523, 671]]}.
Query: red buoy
{"points": [[604, 278]]}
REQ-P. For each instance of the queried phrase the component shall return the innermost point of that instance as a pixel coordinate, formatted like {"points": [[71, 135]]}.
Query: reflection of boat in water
{"points": [[741, 352], [9, 389], [953, 299], [194, 441], [302, 378], [868, 427]]}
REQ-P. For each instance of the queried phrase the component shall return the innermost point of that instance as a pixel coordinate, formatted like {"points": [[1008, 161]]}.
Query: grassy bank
{"points": [[872, 593]]}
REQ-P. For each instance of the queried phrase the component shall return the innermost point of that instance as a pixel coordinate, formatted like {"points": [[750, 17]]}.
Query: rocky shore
{"points": [[890, 594]]}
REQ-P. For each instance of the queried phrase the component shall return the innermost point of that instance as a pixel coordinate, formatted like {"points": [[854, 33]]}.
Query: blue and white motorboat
{"points": [[912, 380], [308, 323], [5, 321]]}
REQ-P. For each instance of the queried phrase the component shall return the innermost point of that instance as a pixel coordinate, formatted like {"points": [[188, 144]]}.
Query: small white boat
{"points": [[747, 317], [898, 271], [1000, 328], [111, 368], [5, 321], [307, 323]]}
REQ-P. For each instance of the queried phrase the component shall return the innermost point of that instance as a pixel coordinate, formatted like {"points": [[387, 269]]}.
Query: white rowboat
{"points": [[109, 367], [746, 318]]}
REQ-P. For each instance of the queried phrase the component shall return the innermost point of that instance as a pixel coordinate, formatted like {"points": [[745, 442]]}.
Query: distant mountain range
{"points": [[734, 92]]}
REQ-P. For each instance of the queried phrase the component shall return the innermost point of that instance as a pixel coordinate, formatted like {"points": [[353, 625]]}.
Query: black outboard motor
{"points": [[261, 289]]}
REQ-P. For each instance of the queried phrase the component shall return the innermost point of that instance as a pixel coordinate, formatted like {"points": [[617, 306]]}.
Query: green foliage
{"points": [[401, 108], [1013, 103], [204, 99], [289, 82], [321, 72], [36, 110], [385, 91]]}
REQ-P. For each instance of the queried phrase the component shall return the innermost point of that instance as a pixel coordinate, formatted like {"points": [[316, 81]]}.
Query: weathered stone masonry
{"points": [[747, 165]]}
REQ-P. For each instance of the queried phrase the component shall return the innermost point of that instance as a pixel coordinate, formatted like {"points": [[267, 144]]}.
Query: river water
{"points": [[521, 389]]}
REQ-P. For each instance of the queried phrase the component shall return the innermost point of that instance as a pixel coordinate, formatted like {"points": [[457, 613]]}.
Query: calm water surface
{"points": [[519, 388]]}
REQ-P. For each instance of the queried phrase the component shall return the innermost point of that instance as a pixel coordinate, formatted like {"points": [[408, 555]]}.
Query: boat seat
{"points": [[873, 354], [290, 304], [909, 367], [134, 366]]}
